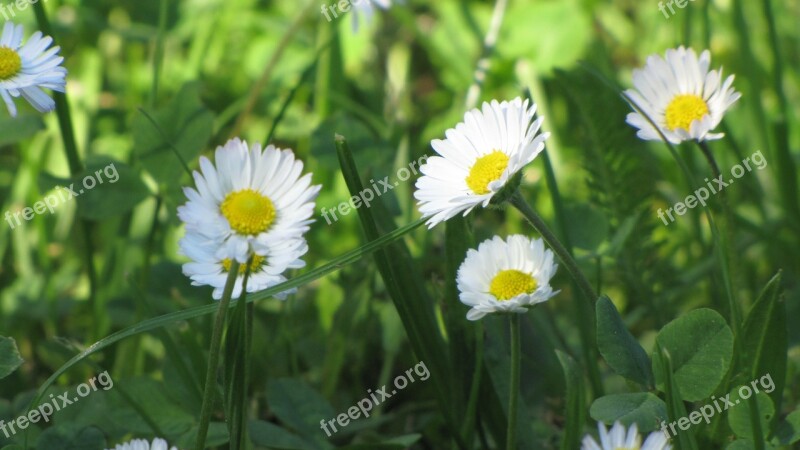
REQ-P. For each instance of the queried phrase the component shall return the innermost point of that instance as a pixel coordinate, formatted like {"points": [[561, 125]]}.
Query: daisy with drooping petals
{"points": [[141, 444], [681, 96], [26, 69], [249, 200], [506, 276], [478, 158], [206, 269], [618, 438]]}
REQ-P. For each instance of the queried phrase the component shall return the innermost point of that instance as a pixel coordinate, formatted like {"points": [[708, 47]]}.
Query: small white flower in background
{"points": [[366, 8], [265, 271], [249, 199], [682, 97], [618, 438], [26, 69], [478, 158], [141, 444], [506, 276]]}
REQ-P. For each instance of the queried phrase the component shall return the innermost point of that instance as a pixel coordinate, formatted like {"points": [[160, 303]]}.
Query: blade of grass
{"points": [[171, 318], [410, 299], [75, 167], [576, 402]]}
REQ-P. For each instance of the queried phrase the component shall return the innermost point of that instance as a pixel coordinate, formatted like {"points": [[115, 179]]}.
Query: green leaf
{"points": [[642, 408], [300, 407], [700, 345], [565, 22], [63, 438], [764, 340], [117, 189], [266, 434], [620, 349], [15, 129], [181, 131], [789, 431], [740, 417], [575, 404], [10, 359]]}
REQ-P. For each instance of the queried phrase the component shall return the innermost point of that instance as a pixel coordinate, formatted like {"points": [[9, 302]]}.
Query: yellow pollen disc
{"points": [[487, 168], [683, 110], [510, 283], [255, 266], [248, 212], [10, 63]]}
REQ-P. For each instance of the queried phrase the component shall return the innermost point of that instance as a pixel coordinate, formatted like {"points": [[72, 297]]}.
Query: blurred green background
{"points": [[206, 70]]}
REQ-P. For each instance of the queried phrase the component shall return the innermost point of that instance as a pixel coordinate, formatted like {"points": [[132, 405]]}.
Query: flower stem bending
{"points": [[569, 262]]}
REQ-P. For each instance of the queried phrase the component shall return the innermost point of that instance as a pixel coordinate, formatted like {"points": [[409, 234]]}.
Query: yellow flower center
{"points": [[487, 168], [685, 109], [510, 283], [248, 212], [10, 63], [255, 266]]}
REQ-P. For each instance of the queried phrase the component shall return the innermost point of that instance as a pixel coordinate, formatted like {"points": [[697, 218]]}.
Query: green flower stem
{"points": [[213, 356], [724, 245], [563, 255], [468, 428], [513, 389], [75, 168]]}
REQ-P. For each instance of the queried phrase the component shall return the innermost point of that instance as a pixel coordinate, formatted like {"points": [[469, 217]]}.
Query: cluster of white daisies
{"points": [[253, 205]]}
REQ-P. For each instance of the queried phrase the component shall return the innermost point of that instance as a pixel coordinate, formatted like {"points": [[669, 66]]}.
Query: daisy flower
{"points": [[682, 97], [478, 158], [206, 269], [506, 276], [248, 201], [141, 444], [26, 69], [618, 438]]}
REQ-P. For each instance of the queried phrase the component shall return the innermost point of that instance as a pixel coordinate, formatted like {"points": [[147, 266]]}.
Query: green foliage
{"points": [[642, 408], [10, 359], [700, 345], [619, 348]]}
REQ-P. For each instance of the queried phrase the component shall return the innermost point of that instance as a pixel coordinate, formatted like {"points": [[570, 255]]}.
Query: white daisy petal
{"points": [[26, 69], [684, 99], [619, 438], [505, 276], [249, 202], [141, 444], [478, 158]]}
